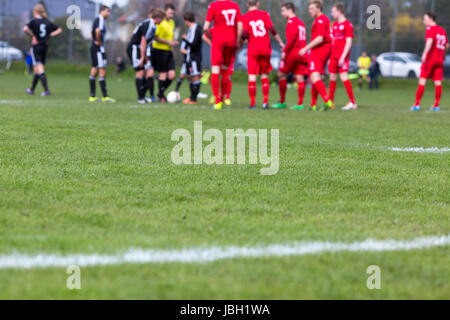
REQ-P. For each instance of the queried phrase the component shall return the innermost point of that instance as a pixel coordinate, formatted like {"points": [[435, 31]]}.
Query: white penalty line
{"points": [[205, 255], [421, 150]]}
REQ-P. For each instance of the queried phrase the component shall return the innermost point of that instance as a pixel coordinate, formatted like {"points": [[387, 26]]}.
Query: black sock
{"points": [[179, 82], [150, 86], [195, 89], [92, 85], [35, 82], [140, 88], [44, 81], [167, 84], [102, 82], [161, 87]]}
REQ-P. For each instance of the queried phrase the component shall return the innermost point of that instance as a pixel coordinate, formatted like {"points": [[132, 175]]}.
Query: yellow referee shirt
{"points": [[164, 31]]}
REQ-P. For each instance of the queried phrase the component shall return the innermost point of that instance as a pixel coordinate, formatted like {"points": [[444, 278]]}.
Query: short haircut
{"points": [[158, 13], [189, 16], [339, 7], [432, 15], [289, 6], [317, 3], [252, 3], [169, 6], [103, 8]]}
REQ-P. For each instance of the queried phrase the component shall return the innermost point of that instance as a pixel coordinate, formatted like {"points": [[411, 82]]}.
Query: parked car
{"points": [[9, 53], [241, 59], [447, 66], [399, 64]]}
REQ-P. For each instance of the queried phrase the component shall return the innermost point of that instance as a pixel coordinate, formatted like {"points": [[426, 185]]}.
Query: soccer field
{"points": [[98, 179]]}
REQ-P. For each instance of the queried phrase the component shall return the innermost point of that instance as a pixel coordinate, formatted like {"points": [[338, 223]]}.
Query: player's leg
{"points": [[282, 88], [227, 100], [171, 74], [300, 79], [437, 95], [181, 77], [317, 66], [194, 72], [425, 73], [149, 83], [265, 86], [349, 89], [333, 69], [194, 84], [102, 76], [252, 90], [320, 87], [216, 62], [225, 72], [92, 84], [140, 85]]}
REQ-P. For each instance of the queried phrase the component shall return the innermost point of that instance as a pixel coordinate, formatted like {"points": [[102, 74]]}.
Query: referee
{"points": [[162, 56]]}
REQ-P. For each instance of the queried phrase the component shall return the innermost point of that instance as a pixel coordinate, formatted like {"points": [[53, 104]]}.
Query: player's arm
{"points": [[428, 46], [143, 49], [277, 37], [57, 32], [98, 37], [316, 42], [171, 43], [206, 39], [30, 33], [291, 37], [347, 48], [240, 30]]}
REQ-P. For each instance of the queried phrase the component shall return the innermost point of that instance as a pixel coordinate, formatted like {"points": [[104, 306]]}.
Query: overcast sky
{"points": [[120, 3]]}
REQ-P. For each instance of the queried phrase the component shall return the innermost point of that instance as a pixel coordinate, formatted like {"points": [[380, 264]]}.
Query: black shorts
{"points": [[163, 60], [98, 56], [193, 68], [39, 54], [134, 53]]}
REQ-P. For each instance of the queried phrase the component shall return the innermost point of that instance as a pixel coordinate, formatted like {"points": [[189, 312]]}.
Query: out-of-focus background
{"points": [[401, 28]]}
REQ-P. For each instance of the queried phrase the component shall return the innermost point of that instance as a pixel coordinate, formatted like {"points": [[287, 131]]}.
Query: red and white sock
{"points": [[265, 89], [252, 92], [349, 89], [437, 95], [301, 92], [215, 85], [332, 89], [282, 85], [419, 94], [322, 89]]}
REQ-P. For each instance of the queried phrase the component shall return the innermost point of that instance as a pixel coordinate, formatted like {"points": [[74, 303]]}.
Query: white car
{"points": [[8, 53], [399, 64]]}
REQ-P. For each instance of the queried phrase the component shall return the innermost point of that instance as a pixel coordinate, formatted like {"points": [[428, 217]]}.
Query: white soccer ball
{"points": [[173, 97]]}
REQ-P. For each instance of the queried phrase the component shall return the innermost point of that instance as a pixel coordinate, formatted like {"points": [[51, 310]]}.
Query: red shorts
{"points": [[258, 64], [433, 70], [295, 64], [334, 67], [222, 54], [318, 59]]}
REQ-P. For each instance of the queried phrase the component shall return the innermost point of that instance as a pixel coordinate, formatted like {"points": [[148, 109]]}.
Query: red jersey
{"points": [[341, 31], [321, 27], [257, 25], [295, 36], [226, 15], [440, 41]]}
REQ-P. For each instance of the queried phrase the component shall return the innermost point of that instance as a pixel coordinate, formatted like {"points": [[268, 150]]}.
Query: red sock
{"points": [[332, 89], [349, 88], [419, 94], [282, 84], [322, 89], [437, 95], [265, 89], [314, 95], [230, 86], [252, 92], [301, 92], [224, 83], [215, 84]]}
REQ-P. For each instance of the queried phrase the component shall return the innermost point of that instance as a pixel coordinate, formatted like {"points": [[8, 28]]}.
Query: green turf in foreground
{"points": [[81, 178]]}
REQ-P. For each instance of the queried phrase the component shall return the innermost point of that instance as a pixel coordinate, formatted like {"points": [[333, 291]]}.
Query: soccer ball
{"points": [[173, 97]]}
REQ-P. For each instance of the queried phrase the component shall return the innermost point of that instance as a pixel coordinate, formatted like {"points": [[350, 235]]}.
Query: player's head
{"points": [[429, 19], [189, 18], [287, 10], [170, 11], [338, 11], [158, 15], [105, 11], [253, 3], [374, 58], [315, 8], [364, 54], [39, 11]]}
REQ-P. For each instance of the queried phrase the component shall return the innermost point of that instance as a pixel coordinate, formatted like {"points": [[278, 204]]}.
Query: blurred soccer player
{"points": [[340, 54], [432, 60], [98, 55], [257, 26], [291, 61], [226, 16], [320, 47], [162, 56], [40, 29], [137, 50]]}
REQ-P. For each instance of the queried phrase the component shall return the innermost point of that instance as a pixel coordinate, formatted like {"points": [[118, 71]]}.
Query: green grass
{"points": [[80, 178]]}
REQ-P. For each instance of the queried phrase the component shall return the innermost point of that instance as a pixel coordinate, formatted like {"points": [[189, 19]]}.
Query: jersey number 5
{"points": [[230, 16], [258, 28]]}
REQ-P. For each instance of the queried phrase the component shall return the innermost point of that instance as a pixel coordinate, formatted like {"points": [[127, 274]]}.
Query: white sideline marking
{"points": [[422, 150], [202, 255]]}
